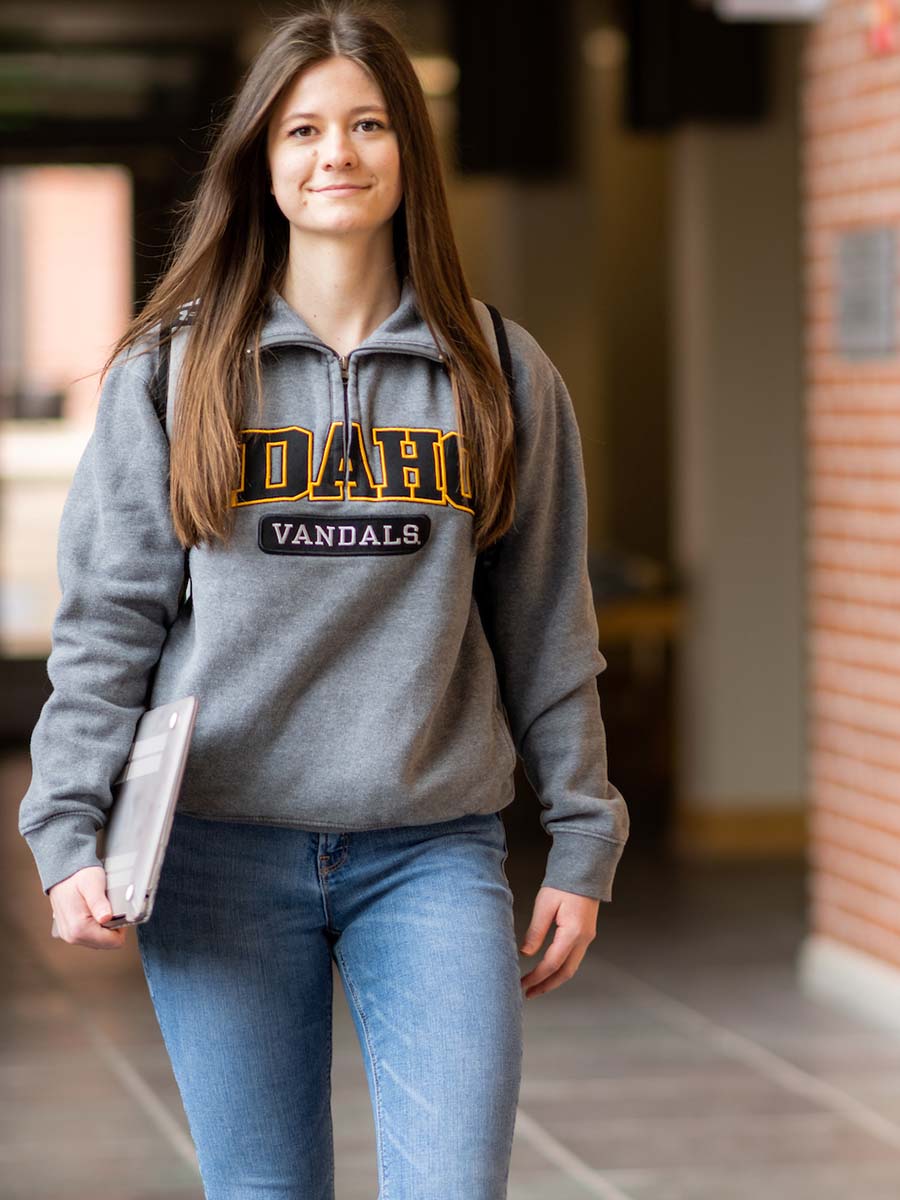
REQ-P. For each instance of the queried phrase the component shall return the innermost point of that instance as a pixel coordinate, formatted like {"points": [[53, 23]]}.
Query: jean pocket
{"points": [[506, 736], [502, 824]]}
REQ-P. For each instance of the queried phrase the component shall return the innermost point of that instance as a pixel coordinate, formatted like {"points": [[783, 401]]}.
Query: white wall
{"points": [[737, 423]]}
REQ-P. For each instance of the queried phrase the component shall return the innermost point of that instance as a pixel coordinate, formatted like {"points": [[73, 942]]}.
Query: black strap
{"points": [[502, 345], [187, 314], [488, 558], [160, 385], [159, 389]]}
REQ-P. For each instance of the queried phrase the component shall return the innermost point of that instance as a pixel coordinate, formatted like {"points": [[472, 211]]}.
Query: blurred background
{"points": [[694, 207]]}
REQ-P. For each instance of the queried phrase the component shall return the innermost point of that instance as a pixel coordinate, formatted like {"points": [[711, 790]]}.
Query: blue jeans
{"points": [[238, 953]]}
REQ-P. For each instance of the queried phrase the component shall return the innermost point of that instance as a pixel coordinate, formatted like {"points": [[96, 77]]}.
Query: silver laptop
{"points": [[145, 794]]}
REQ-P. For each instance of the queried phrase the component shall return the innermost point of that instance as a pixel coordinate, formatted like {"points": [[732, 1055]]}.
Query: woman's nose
{"points": [[337, 150]]}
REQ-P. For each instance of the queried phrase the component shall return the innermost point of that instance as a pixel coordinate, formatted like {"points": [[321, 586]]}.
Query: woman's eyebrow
{"points": [[307, 116]]}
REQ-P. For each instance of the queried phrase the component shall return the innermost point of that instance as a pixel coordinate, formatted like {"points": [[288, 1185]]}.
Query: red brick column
{"points": [[850, 85]]}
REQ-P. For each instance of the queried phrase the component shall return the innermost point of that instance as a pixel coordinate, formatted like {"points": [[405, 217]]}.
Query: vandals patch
{"points": [[283, 533]]}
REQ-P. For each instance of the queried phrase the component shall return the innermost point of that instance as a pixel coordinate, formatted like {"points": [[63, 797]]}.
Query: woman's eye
{"points": [[365, 121]]}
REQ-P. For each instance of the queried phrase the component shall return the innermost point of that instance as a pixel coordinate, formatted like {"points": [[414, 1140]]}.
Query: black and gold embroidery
{"points": [[422, 465]]}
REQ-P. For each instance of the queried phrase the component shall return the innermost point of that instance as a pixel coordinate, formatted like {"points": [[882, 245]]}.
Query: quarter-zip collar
{"points": [[403, 332]]}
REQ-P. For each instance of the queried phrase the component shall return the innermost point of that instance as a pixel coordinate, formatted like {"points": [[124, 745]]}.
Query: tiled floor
{"points": [[680, 1063]]}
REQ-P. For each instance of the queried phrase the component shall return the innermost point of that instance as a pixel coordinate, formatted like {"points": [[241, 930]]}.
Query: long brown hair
{"points": [[231, 242]]}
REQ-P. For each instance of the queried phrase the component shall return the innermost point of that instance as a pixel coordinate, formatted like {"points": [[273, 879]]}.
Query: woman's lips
{"points": [[342, 189]]}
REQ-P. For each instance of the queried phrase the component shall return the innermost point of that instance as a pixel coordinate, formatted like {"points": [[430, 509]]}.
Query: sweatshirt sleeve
{"points": [[120, 568], [545, 637]]}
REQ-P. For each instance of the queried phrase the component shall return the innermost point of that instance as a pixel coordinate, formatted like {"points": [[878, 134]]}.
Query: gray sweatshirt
{"points": [[344, 675]]}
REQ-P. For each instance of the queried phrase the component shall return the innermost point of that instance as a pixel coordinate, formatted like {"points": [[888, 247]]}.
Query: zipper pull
{"points": [[344, 360]]}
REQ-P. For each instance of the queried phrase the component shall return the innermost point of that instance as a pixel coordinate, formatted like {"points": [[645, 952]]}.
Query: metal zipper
{"points": [[344, 360]]}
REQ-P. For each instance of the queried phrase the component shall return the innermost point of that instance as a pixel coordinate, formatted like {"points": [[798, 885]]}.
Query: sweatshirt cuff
{"points": [[582, 863], [63, 845]]}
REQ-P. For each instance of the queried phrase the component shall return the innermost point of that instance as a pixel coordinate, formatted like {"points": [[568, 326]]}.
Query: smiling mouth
{"points": [[349, 187]]}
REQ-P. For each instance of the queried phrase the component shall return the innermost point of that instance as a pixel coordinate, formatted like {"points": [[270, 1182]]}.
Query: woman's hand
{"points": [[576, 928], [80, 905]]}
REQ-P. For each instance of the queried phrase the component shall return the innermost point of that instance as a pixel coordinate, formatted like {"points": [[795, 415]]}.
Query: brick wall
{"points": [[850, 101]]}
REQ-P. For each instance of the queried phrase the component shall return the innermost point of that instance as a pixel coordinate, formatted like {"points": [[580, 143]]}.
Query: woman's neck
{"points": [[342, 297]]}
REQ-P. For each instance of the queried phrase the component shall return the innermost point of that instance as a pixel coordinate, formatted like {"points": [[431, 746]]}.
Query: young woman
{"points": [[360, 712]]}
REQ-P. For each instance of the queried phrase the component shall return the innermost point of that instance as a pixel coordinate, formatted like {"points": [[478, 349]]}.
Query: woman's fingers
{"points": [[576, 927], [81, 906], [554, 980], [558, 964]]}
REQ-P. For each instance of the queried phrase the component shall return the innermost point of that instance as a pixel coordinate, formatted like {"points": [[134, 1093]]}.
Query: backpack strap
{"points": [[171, 355], [160, 383], [495, 335], [164, 388]]}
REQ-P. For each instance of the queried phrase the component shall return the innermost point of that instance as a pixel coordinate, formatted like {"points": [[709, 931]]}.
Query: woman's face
{"points": [[331, 127]]}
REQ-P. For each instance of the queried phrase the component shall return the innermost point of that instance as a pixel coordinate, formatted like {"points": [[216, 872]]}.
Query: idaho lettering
{"points": [[427, 466]]}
